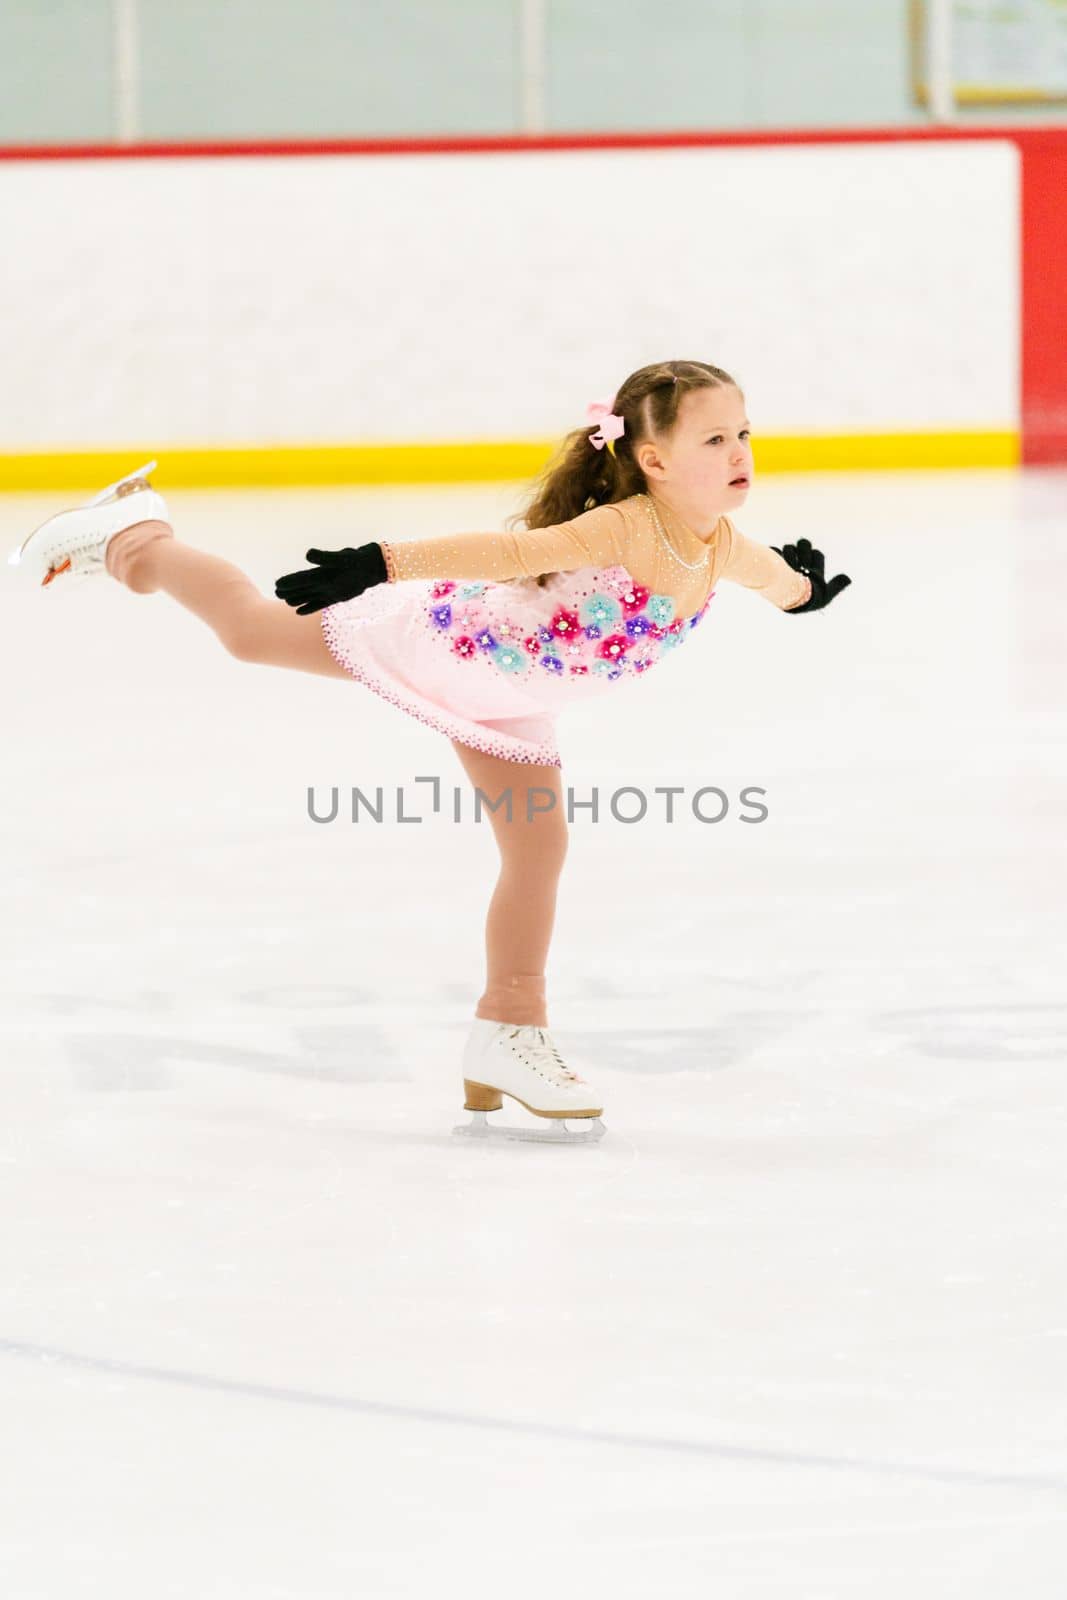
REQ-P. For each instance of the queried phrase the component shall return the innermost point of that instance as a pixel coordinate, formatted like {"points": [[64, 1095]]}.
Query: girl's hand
{"points": [[803, 558], [339, 575]]}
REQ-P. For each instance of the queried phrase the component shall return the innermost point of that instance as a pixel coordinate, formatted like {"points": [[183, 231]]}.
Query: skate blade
{"points": [[15, 557], [480, 1128]]}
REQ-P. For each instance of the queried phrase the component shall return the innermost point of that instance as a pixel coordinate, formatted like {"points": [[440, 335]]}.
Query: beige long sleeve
{"points": [[755, 566], [621, 534], [595, 538]]}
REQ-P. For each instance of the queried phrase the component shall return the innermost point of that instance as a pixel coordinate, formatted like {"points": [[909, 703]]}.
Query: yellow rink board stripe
{"points": [[500, 461]]}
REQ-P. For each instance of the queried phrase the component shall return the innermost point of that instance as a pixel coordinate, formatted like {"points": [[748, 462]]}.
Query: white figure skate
{"points": [[75, 543], [503, 1058]]}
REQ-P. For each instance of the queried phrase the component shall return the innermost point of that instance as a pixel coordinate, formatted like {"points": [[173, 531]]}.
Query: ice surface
{"points": [[796, 1326]]}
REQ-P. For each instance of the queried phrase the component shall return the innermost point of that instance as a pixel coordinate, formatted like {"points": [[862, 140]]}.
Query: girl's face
{"points": [[696, 467]]}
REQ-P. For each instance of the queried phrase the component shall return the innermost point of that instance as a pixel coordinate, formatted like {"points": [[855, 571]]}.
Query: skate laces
{"points": [[538, 1043]]}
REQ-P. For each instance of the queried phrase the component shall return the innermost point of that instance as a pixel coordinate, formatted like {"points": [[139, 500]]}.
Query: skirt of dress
{"points": [[382, 638]]}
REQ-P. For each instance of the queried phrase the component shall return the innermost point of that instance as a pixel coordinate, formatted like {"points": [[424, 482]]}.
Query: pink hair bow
{"points": [[611, 426]]}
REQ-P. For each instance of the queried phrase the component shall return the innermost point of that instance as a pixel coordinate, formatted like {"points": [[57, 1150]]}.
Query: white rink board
{"points": [[490, 296]]}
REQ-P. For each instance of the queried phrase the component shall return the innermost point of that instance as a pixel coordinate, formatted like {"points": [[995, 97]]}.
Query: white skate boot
{"points": [[75, 543], [504, 1058]]}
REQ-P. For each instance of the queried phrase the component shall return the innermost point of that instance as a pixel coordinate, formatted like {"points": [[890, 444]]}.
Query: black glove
{"points": [[339, 575], [802, 558]]}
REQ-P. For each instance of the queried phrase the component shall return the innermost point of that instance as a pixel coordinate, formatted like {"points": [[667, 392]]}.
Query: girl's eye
{"points": [[744, 434]]}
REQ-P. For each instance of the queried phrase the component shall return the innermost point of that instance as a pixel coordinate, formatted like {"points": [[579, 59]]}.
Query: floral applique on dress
{"points": [[597, 622]]}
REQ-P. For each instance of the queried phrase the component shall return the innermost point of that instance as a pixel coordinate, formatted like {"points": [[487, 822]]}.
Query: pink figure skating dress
{"points": [[464, 637]]}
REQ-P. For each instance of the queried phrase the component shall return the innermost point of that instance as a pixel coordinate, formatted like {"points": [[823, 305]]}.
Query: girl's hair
{"points": [[580, 476]]}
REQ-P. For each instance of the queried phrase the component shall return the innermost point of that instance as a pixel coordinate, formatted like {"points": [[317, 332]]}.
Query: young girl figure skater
{"points": [[486, 636]]}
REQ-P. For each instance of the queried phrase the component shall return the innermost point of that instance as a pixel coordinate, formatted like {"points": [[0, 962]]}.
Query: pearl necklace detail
{"points": [[691, 565]]}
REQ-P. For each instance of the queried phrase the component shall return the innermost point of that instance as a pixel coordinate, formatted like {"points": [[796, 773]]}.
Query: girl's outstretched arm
{"points": [[595, 538], [792, 578]]}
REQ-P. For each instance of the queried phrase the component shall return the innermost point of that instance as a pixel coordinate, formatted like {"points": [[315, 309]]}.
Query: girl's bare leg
{"points": [[518, 927], [147, 557], [521, 913]]}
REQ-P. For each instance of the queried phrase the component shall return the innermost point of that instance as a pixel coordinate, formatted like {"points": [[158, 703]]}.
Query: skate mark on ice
{"points": [[48, 1354]]}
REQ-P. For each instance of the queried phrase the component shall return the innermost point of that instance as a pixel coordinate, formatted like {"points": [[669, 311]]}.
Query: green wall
{"points": [[335, 68]]}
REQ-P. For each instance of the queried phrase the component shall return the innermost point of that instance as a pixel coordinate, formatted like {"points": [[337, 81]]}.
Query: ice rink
{"points": [[796, 1327]]}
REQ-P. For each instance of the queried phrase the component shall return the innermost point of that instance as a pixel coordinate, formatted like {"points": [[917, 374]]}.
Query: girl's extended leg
{"points": [[147, 557], [518, 928]]}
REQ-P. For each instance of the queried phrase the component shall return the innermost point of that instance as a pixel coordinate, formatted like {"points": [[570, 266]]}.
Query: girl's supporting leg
{"points": [[147, 557], [518, 927]]}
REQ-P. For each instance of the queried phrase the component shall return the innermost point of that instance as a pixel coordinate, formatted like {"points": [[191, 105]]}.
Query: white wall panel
{"points": [[349, 299]]}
